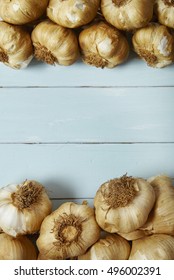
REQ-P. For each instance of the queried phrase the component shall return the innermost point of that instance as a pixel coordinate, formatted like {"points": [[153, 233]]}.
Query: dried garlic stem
{"points": [[120, 3]]}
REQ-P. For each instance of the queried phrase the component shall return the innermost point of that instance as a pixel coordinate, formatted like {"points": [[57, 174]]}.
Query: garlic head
{"points": [[54, 44], [154, 247], [103, 45], [155, 45], [68, 232], [23, 207], [72, 13], [20, 248], [123, 204], [111, 247], [22, 11], [16, 50], [165, 12], [127, 14], [161, 218]]}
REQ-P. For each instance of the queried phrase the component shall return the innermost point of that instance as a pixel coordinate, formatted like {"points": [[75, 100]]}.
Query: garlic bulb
{"points": [[68, 231], [16, 48], [154, 247], [23, 207], [123, 204], [20, 248], [72, 13], [22, 11], [127, 14], [54, 44], [165, 12], [103, 45], [161, 218], [111, 247], [155, 45]]}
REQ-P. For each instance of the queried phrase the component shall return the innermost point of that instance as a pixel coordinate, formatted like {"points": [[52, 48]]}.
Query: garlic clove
{"points": [[72, 13], [123, 204], [155, 45], [22, 11], [68, 231], [20, 248], [127, 14], [16, 48], [54, 44], [111, 247], [23, 207], [103, 45], [154, 247]]}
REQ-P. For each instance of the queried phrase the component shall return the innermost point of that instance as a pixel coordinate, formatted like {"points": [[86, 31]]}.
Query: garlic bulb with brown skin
{"points": [[103, 45], [127, 14], [155, 45], [154, 247], [111, 247], [23, 207], [16, 50], [161, 218], [68, 232], [165, 12], [72, 13], [22, 11], [123, 204], [20, 248], [54, 44]]}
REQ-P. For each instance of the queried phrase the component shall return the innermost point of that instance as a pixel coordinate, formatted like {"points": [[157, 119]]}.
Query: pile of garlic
{"points": [[132, 219], [100, 32]]}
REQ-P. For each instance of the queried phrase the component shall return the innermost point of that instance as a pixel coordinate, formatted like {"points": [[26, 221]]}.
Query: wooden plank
{"points": [[132, 73], [86, 115], [76, 171]]}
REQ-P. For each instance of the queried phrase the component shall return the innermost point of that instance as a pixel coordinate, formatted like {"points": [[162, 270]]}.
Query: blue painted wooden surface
{"points": [[72, 128]]}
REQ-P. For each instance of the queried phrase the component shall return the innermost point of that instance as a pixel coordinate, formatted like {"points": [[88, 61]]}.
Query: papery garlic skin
{"points": [[72, 13], [54, 44], [68, 232], [16, 49], [165, 12], [155, 45], [23, 208], [22, 11], [127, 14], [111, 247], [20, 248], [161, 218], [123, 204], [154, 247], [103, 46]]}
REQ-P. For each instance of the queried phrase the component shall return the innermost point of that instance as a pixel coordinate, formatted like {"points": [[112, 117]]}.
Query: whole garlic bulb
{"points": [[20, 248], [155, 45], [127, 14], [68, 232], [23, 207], [22, 11], [111, 247], [154, 247], [161, 218], [72, 13], [54, 44], [16, 48], [165, 12], [103, 45], [123, 204]]}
